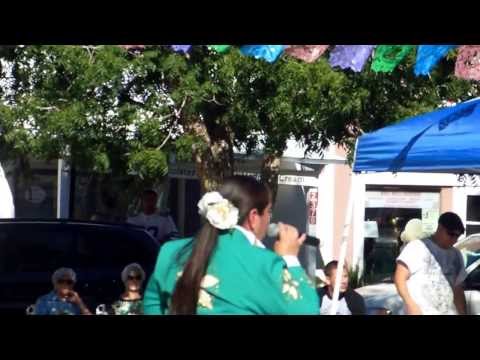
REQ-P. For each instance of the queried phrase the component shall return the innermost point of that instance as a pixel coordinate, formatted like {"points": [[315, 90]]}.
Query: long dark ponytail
{"points": [[246, 193]]}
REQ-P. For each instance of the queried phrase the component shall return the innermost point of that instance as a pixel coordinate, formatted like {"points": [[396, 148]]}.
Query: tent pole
{"points": [[344, 242], [343, 248]]}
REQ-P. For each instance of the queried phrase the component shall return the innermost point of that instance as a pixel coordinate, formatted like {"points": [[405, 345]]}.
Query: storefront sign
{"points": [[371, 229], [401, 199], [190, 173], [430, 220], [182, 173], [297, 180], [312, 202]]}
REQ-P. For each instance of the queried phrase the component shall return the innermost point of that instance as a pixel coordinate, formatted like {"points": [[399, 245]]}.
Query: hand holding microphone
{"points": [[288, 242], [274, 230]]}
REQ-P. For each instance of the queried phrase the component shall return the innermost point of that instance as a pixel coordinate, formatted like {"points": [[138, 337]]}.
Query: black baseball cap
{"points": [[451, 222]]}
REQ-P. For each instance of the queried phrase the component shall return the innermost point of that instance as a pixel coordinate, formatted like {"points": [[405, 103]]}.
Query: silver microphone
{"points": [[274, 230]]}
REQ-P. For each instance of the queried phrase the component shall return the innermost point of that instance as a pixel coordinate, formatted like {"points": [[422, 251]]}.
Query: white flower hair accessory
{"points": [[219, 211]]}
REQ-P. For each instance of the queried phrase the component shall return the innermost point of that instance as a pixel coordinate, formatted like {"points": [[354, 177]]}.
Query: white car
{"points": [[383, 298]]}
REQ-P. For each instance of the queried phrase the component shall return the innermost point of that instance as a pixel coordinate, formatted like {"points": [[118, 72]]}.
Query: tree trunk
{"points": [[270, 171], [214, 159]]}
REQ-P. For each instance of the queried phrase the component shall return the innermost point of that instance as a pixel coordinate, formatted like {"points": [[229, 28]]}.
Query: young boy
{"points": [[349, 301]]}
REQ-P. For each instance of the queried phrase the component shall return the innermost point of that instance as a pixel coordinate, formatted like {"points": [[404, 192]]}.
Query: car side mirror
{"points": [[30, 310], [378, 311], [101, 310]]}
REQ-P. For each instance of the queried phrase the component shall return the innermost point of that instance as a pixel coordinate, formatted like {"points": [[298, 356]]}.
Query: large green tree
{"points": [[116, 111]]}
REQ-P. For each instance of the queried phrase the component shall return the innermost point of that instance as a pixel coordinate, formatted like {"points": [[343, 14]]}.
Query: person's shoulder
{"points": [[50, 295], [158, 214], [46, 297], [168, 256], [321, 291], [420, 242], [158, 217], [353, 294], [457, 255], [457, 252], [413, 251], [355, 302], [251, 253], [43, 298], [172, 247], [415, 244], [164, 213], [265, 260], [134, 218], [176, 244], [256, 250]]}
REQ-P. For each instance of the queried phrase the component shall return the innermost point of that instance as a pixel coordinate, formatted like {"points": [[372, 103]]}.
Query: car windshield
{"points": [[472, 265]]}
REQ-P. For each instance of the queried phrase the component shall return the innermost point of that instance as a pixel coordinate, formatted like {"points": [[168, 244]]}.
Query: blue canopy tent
{"points": [[444, 141]]}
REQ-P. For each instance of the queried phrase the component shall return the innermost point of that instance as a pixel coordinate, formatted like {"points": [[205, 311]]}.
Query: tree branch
{"points": [[48, 108], [166, 139], [214, 100], [178, 113], [90, 49]]}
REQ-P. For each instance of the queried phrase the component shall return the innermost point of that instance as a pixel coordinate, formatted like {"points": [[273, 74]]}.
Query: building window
{"points": [[35, 196], [389, 211], [473, 214]]}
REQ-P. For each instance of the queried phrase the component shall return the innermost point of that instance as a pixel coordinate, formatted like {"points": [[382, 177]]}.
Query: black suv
{"points": [[30, 250]]}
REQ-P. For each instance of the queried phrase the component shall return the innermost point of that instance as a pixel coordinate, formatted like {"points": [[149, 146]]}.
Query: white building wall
{"points": [[326, 211]]}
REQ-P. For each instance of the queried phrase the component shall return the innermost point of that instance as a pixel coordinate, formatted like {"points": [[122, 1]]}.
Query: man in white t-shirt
{"points": [[160, 226], [430, 273]]}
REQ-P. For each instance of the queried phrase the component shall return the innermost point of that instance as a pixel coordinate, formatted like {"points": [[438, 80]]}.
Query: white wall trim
{"points": [[415, 179], [326, 211], [460, 195], [359, 191], [63, 189]]}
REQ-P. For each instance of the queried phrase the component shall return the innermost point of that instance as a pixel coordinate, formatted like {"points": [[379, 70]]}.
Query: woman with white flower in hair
{"points": [[225, 268]]}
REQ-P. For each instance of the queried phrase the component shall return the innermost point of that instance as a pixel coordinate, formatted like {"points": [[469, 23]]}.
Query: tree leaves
{"points": [[117, 111], [148, 164]]}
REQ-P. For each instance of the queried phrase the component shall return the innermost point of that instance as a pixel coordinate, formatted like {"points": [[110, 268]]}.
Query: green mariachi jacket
{"points": [[240, 279]]}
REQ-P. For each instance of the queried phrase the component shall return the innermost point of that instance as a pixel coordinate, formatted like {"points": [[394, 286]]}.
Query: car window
{"points": [[470, 257], [104, 247], [472, 265], [34, 248], [473, 280]]}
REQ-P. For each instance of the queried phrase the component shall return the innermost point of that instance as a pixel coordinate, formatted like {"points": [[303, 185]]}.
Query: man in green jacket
{"points": [[225, 269]]}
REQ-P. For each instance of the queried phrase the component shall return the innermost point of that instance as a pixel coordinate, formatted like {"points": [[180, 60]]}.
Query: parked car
{"points": [[385, 296], [30, 250]]}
